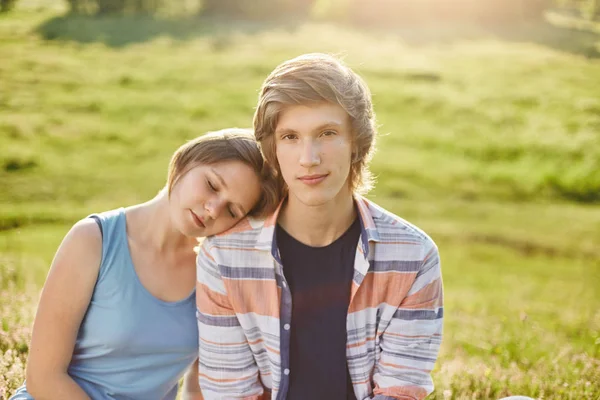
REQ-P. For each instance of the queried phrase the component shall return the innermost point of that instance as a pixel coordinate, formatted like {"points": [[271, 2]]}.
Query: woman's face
{"points": [[210, 199]]}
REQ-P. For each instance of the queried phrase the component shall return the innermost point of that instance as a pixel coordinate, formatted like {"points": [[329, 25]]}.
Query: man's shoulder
{"points": [[247, 233], [390, 227]]}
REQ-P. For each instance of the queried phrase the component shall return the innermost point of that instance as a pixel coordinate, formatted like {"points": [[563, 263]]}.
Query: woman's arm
{"points": [[191, 389], [63, 303]]}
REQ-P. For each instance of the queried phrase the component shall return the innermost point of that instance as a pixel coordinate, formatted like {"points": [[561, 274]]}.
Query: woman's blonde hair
{"points": [[312, 79], [232, 144]]}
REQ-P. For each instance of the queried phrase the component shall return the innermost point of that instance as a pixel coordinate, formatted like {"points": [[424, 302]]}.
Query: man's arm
{"points": [[227, 368], [410, 344]]}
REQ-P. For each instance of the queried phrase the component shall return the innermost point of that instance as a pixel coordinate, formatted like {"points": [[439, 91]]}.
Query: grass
{"points": [[17, 306], [489, 141]]}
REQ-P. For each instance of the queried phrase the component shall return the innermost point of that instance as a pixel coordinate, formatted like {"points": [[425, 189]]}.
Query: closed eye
{"points": [[211, 185], [233, 215]]}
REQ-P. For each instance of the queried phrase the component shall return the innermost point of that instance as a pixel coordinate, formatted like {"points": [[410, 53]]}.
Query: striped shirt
{"points": [[394, 322]]}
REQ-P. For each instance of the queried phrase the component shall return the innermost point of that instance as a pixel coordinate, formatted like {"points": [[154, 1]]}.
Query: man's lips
{"points": [[313, 179], [198, 220]]}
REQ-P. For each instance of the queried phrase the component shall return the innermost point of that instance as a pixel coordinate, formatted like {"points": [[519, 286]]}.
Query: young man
{"points": [[331, 297]]}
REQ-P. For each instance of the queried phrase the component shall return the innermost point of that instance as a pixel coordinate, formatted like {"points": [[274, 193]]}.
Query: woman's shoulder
{"points": [[83, 241], [85, 232]]}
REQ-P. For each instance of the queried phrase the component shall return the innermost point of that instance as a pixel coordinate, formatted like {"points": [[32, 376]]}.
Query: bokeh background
{"points": [[489, 114]]}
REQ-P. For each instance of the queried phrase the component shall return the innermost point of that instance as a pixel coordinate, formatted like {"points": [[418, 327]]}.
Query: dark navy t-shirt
{"points": [[320, 279]]}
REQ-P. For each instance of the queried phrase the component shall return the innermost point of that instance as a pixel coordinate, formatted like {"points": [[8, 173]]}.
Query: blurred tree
{"points": [[7, 5], [258, 9], [74, 6], [393, 12], [377, 12], [82, 6], [593, 9], [144, 6], [586, 8], [112, 7]]}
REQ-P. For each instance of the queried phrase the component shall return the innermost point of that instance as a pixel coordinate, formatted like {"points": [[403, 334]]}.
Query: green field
{"points": [[490, 142]]}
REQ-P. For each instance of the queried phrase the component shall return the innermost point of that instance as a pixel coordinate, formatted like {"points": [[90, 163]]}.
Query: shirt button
{"points": [[286, 371], [287, 328]]}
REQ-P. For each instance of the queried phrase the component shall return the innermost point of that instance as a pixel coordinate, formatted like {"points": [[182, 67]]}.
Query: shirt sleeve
{"points": [[226, 367], [410, 344]]}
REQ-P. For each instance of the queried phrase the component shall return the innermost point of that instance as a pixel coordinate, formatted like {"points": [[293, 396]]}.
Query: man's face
{"points": [[314, 151]]}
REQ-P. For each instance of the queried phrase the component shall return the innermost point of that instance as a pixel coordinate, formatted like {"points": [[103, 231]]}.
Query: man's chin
{"points": [[314, 201]]}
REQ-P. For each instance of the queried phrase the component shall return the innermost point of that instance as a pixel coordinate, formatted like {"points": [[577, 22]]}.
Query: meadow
{"points": [[489, 141]]}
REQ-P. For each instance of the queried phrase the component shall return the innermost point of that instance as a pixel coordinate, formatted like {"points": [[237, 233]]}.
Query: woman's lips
{"points": [[197, 220]]}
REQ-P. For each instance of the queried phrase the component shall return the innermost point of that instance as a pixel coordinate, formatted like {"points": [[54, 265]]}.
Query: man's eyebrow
{"points": [[285, 130], [220, 178], [329, 124]]}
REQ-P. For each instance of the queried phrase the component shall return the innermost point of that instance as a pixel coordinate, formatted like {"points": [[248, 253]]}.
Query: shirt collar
{"points": [[366, 214], [367, 211]]}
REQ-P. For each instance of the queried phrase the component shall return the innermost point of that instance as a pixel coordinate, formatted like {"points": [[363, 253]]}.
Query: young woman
{"points": [[116, 318]]}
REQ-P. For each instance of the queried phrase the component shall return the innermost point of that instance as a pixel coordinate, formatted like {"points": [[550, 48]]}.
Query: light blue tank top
{"points": [[130, 345]]}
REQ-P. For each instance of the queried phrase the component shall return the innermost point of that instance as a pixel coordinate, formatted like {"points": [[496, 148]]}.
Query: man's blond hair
{"points": [[312, 79]]}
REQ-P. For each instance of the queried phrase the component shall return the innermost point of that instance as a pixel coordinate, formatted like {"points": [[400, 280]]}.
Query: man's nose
{"points": [[310, 154]]}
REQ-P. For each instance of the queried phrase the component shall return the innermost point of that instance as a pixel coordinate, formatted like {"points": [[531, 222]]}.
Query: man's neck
{"points": [[317, 226]]}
